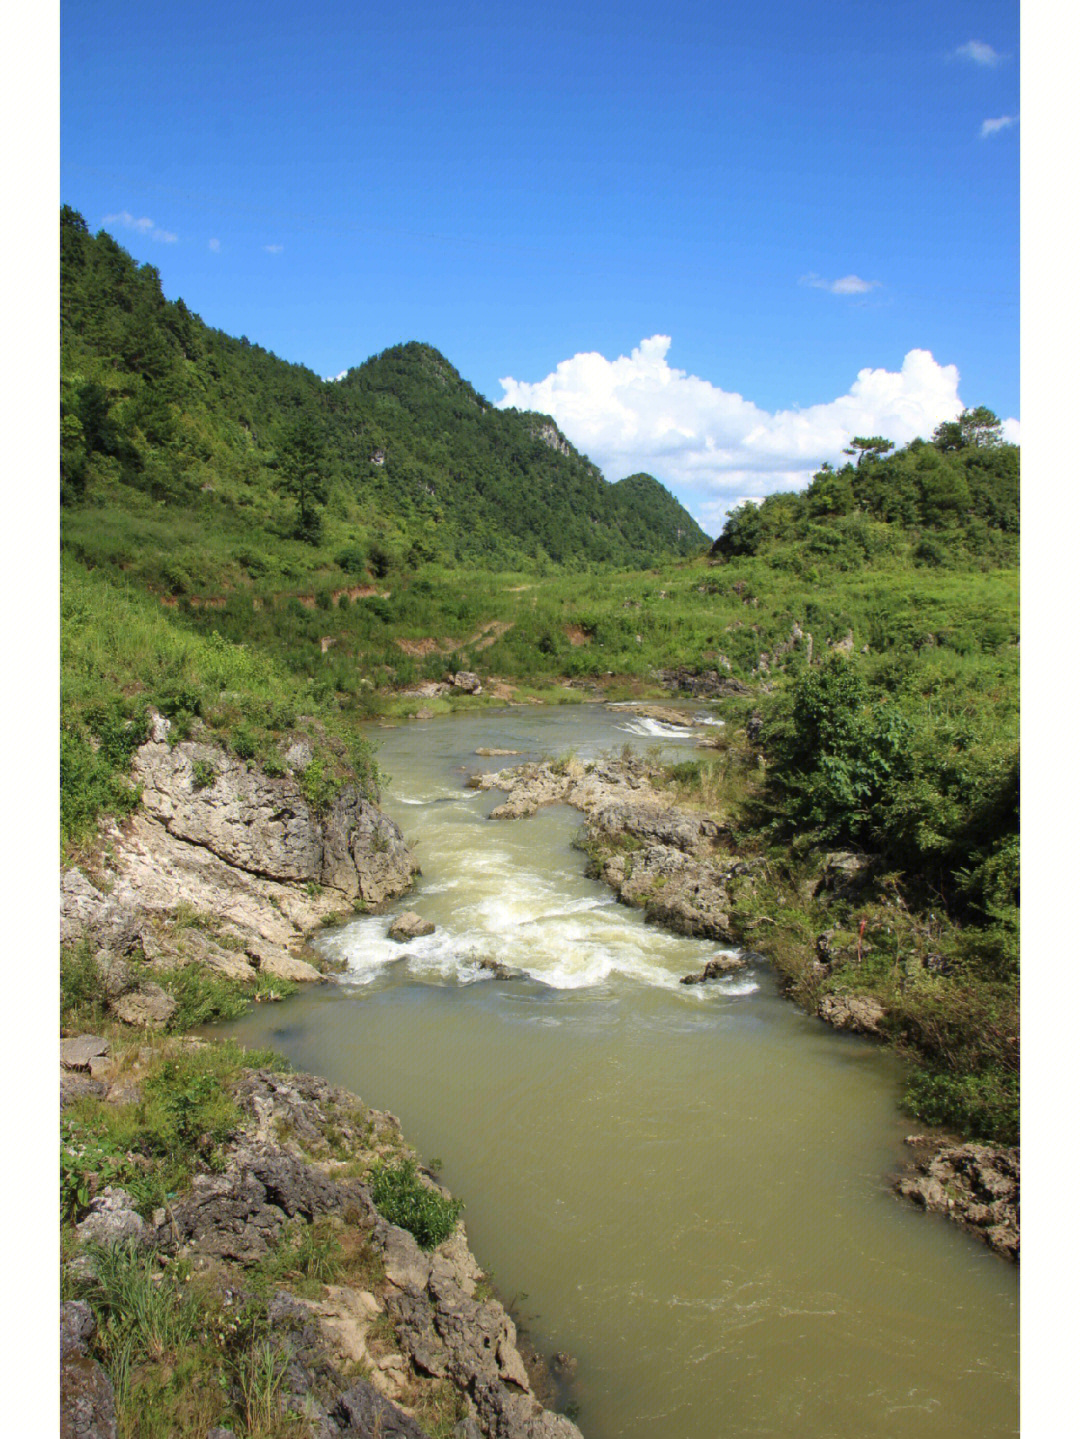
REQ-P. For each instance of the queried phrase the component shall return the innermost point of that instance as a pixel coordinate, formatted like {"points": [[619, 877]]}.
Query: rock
{"points": [[364, 1412], [149, 1007], [976, 1185], [709, 684], [299, 755], [264, 827], [77, 1326], [859, 1013], [112, 1219], [488, 753], [498, 970], [718, 968], [79, 1086], [86, 912], [467, 681], [77, 1053], [563, 1365], [87, 1400], [407, 1266], [847, 874], [287, 966], [117, 974], [408, 926]]}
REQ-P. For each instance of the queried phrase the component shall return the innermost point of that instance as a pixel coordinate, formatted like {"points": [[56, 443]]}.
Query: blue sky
{"points": [[788, 194]]}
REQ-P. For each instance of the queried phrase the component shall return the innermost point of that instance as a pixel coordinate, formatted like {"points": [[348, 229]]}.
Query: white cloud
{"points": [[144, 225], [214, 245], [712, 446], [991, 127], [979, 52], [333, 379], [846, 285], [273, 249]]}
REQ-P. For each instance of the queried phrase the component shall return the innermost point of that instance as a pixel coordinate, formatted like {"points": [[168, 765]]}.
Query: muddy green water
{"points": [[684, 1186]]}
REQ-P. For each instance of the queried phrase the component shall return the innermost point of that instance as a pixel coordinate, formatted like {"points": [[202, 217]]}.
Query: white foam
{"points": [[708, 719], [655, 729]]}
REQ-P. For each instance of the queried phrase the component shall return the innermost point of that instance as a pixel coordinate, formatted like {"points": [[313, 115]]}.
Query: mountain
{"points": [[196, 461]]}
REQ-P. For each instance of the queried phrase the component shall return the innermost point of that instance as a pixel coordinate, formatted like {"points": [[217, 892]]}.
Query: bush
{"points": [[403, 1199]]}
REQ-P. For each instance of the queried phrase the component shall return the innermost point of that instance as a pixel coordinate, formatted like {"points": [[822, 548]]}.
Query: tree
{"points": [[301, 458], [979, 428], [874, 448]]}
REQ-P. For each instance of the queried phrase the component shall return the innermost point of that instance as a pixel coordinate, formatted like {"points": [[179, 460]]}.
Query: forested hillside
{"points": [[196, 462]]}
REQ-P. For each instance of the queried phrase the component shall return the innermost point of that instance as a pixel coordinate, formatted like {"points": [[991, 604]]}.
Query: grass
{"points": [[153, 1146], [402, 1198]]}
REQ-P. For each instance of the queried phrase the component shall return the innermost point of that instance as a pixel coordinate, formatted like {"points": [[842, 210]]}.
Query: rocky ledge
{"points": [[364, 1356], [976, 1185], [226, 867], [674, 863]]}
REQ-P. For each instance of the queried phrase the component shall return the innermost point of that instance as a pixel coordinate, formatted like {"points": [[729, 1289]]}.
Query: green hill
{"points": [[197, 462]]}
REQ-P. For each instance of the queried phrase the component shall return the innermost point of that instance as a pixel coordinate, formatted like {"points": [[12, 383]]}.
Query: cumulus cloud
{"points": [[711, 446], [992, 127], [979, 52], [273, 249], [846, 285], [214, 245], [333, 379], [144, 225]]}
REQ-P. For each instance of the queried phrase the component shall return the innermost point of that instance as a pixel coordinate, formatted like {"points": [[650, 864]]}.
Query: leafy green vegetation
{"points": [[404, 1199], [198, 464]]}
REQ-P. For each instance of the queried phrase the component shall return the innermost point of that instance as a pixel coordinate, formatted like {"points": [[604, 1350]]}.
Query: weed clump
{"points": [[403, 1199]]}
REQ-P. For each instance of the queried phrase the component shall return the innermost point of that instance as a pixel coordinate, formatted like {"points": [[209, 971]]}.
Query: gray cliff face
{"points": [[266, 827], [244, 852]]}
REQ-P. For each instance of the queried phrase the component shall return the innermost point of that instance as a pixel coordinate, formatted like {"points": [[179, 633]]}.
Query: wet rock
{"points": [[859, 1013], [563, 1365], [976, 1185], [148, 1007], [488, 753], [408, 926], [717, 968], [498, 970]]}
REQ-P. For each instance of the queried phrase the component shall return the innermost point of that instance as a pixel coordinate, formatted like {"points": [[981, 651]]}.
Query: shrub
{"points": [[403, 1199]]}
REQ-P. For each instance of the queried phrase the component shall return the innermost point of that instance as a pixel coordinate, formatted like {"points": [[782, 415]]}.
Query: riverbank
{"points": [[695, 872], [242, 1246], [247, 1274]]}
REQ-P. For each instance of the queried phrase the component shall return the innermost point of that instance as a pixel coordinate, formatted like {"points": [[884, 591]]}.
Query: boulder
{"points": [[860, 1013], [467, 681], [498, 970], [718, 968], [112, 1219], [87, 1399], [408, 926], [149, 1007], [847, 873], [77, 1053]]}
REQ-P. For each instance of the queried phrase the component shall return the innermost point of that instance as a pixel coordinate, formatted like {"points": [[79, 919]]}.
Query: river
{"points": [[685, 1187]]}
